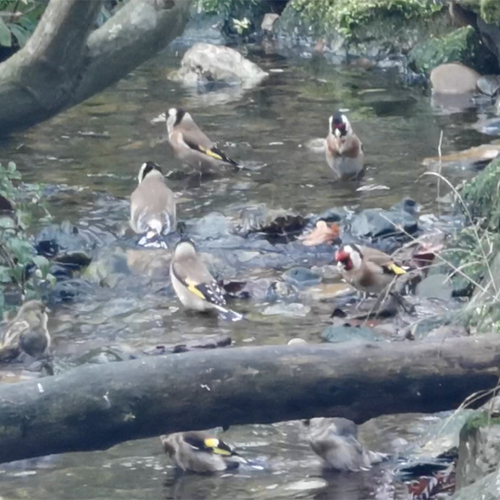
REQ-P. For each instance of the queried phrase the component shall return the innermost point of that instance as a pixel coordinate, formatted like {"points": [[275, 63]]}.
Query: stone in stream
{"points": [[347, 333], [489, 127], [454, 78], [489, 84], [205, 64], [301, 277]]}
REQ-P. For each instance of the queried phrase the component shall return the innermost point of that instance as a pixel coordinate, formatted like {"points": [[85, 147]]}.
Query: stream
{"points": [[91, 155]]}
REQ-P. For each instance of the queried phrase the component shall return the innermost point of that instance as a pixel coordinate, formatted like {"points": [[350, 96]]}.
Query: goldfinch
{"points": [[152, 205], [344, 153], [194, 285], [367, 269], [191, 145], [27, 332], [335, 440], [198, 451]]}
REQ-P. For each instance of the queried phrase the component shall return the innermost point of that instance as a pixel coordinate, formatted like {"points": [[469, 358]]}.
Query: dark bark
{"points": [[64, 62], [94, 407]]}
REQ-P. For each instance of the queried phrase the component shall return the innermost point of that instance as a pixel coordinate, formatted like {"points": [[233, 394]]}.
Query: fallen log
{"points": [[97, 406]]}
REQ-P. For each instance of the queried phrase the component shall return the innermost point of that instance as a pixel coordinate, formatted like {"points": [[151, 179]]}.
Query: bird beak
{"points": [[337, 133]]}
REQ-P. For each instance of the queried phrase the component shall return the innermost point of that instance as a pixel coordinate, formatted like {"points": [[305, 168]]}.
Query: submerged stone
{"points": [[347, 333], [301, 277]]}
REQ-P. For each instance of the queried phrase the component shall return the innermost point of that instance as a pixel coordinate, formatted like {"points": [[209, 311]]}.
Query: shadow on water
{"points": [[93, 152]]}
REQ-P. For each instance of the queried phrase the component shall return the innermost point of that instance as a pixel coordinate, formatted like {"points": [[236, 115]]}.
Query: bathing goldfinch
{"points": [[194, 285]]}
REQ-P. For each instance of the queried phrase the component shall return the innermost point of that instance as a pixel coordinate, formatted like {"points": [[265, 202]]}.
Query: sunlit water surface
{"points": [[95, 150]]}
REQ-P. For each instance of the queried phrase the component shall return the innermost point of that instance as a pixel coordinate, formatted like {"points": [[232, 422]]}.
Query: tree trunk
{"points": [[64, 62], [97, 406]]}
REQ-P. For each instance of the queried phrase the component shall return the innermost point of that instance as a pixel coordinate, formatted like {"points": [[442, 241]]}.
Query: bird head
{"points": [[174, 117], [185, 248], [348, 257], [147, 168], [339, 125], [33, 311]]}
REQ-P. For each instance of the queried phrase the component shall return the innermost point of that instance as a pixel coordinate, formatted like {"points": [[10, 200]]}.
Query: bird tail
{"points": [[227, 314]]}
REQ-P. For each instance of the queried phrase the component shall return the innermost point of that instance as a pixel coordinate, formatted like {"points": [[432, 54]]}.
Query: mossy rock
{"points": [[489, 10], [462, 45], [480, 420], [396, 24]]}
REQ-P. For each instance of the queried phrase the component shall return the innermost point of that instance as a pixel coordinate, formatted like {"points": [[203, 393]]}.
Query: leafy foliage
{"points": [[344, 16], [21, 270], [225, 8], [18, 20]]}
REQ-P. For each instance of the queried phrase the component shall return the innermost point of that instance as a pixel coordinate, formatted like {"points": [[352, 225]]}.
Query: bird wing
{"points": [[208, 444], [14, 332], [381, 259], [195, 139], [194, 275]]}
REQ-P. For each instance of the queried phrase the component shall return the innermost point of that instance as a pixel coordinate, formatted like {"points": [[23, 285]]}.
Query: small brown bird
{"points": [[27, 332], [344, 153], [335, 440], [191, 145], [194, 285], [198, 451], [367, 269], [152, 204]]}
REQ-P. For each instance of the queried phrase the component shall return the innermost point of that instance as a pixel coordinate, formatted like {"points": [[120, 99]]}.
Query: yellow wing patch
{"points": [[395, 269], [208, 152], [192, 287], [214, 445]]}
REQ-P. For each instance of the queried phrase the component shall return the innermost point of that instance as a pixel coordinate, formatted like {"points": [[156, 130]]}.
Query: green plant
{"points": [[20, 267], [225, 8], [18, 20], [344, 16]]}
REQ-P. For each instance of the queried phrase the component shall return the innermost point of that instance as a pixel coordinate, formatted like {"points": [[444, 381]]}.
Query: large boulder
{"points": [[454, 78], [205, 63]]}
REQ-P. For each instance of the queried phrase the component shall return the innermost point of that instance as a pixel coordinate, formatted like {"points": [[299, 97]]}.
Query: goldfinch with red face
{"points": [[191, 145], [344, 153], [194, 285], [367, 269], [198, 451]]}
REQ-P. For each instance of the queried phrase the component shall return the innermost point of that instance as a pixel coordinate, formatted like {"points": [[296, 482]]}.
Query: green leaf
{"points": [[21, 249], [5, 37], [5, 274], [40, 261], [7, 223]]}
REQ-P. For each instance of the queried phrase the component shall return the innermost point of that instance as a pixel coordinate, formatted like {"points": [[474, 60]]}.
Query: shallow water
{"points": [[94, 151]]}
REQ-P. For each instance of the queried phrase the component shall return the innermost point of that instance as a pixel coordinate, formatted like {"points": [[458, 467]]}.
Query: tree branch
{"points": [[97, 406], [64, 62]]}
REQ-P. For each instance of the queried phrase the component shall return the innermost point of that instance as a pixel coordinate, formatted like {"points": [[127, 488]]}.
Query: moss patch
{"points": [[462, 45], [482, 197], [489, 10], [347, 17]]}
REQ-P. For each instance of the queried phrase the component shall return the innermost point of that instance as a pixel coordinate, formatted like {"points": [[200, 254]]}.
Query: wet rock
{"points": [[108, 267], [69, 290], [489, 127], [489, 84], [333, 214], [268, 22], [376, 223], [479, 449], [346, 333], [453, 78], [274, 222], [447, 332], [301, 277], [476, 157], [206, 64], [291, 310], [437, 286], [72, 246], [149, 262]]}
